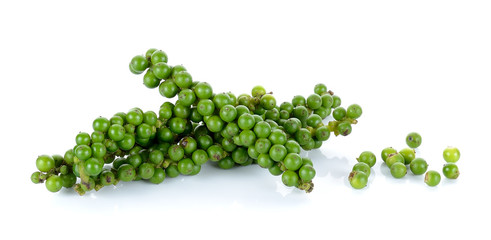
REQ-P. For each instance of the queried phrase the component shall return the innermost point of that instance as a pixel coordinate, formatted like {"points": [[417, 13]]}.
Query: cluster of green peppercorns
{"points": [[399, 161], [199, 126]]}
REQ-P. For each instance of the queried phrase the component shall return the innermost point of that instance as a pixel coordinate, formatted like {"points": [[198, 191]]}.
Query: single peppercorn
{"points": [[418, 166], [413, 140], [451, 171], [451, 154], [358, 180], [398, 170], [432, 178], [368, 158]]}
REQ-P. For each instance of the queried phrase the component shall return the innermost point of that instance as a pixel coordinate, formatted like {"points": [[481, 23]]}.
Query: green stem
{"points": [[307, 186], [79, 189]]}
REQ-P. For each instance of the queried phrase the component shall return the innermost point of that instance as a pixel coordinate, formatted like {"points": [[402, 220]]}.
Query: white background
{"points": [[412, 65]]}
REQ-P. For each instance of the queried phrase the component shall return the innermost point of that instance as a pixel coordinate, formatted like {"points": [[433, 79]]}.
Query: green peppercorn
{"points": [[432, 178], [451, 171], [358, 180], [413, 140]]}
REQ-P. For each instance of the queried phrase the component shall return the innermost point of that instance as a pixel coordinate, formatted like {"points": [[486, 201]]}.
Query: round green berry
{"points": [[354, 111], [240, 155], [322, 133], [205, 107], [175, 152], [298, 100], [177, 125], [138, 64], [68, 180], [292, 161], [101, 124], [290, 178], [158, 56], [267, 101], [327, 101], [358, 180], [185, 166], [36, 177], [306, 173], [216, 152], [368, 158], [228, 113], [54, 183], [83, 152], [413, 140], [292, 146], [398, 170], [93, 166], [172, 171], [277, 152], [126, 173], [303, 136], [168, 88], [314, 120], [161, 70], [158, 176], [107, 178], [97, 137], [44, 163], [134, 117], [264, 161], [246, 121], [127, 143], [258, 91], [432, 178], [320, 89], [262, 145], [116, 132], [88, 186], [262, 129], [214, 123], [156, 156], [200, 157], [203, 90], [451, 154], [144, 131], [183, 80], [336, 101], [418, 166], [226, 163], [146, 170], [277, 136], [344, 128], [150, 80], [314, 101], [339, 113], [82, 138], [451, 171]]}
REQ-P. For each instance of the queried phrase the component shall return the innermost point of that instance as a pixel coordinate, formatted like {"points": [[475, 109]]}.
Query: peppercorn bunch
{"points": [[198, 127]]}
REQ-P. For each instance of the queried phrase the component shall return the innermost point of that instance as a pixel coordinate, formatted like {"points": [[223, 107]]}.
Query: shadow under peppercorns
{"points": [[243, 186], [337, 167]]}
